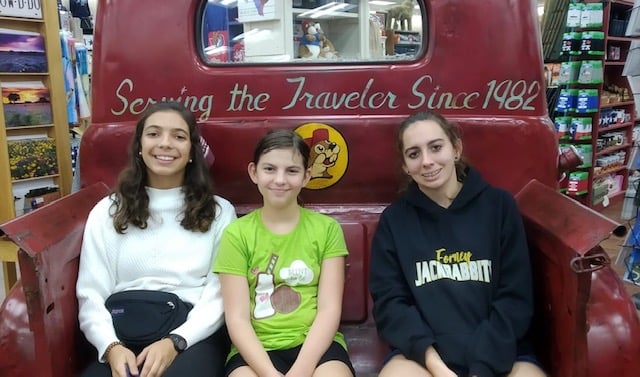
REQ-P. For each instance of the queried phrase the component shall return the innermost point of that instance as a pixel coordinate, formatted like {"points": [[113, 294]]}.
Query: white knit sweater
{"points": [[163, 257]]}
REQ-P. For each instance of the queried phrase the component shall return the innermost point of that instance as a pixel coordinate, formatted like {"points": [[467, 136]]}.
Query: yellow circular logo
{"points": [[329, 155]]}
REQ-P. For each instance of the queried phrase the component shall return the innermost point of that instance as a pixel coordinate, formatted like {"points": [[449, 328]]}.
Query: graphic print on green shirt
{"points": [[282, 271]]}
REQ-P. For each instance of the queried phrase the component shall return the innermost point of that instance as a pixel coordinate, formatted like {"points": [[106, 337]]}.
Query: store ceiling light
{"points": [[326, 9]]}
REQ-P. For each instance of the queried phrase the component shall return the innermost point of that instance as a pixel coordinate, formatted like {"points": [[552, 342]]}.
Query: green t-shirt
{"points": [[283, 272]]}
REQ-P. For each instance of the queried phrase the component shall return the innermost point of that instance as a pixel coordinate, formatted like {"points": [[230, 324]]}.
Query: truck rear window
{"points": [[304, 31]]}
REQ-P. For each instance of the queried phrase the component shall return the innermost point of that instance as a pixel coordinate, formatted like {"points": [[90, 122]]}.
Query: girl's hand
{"points": [[435, 365], [298, 370], [442, 371], [121, 360], [156, 358]]}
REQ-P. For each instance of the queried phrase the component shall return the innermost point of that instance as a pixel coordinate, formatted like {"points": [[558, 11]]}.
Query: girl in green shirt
{"points": [[282, 274]]}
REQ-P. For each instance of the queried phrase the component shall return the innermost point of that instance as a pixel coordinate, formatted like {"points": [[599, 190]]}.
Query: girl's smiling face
{"points": [[429, 157], [165, 149], [280, 174]]}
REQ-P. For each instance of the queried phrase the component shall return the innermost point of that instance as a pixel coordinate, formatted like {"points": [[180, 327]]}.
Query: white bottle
{"points": [[264, 290]]}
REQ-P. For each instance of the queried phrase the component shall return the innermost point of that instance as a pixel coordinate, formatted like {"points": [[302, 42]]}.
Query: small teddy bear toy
{"points": [[310, 42], [314, 44]]}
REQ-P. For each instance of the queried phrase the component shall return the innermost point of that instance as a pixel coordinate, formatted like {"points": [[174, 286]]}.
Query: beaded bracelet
{"points": [[109, 348]]}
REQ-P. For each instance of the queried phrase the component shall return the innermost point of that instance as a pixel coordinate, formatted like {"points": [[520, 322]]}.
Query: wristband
{"points": [[109, 348]]}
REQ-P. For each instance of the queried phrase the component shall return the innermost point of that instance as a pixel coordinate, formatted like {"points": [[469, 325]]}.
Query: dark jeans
{"points": [[205, 358]]}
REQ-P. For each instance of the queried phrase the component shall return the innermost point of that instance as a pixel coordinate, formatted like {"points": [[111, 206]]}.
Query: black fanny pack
{"points": [[141, 317]]}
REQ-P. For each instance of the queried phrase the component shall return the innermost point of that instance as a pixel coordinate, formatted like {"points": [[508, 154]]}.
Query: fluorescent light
{"points": [[540, 10], [320, 8], [326, 9], [335, 8]]}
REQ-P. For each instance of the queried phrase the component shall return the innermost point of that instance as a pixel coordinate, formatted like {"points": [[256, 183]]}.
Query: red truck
{"points": [[245, 67]]}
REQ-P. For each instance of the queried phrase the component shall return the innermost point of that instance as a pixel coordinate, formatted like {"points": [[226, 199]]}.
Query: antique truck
{"points": [[238, 65]]}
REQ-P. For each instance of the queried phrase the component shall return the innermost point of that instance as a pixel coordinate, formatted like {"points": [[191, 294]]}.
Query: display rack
{"points": [[55, 129], [603, 106]]}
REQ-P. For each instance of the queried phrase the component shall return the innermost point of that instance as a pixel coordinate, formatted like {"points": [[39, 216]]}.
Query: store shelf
{"points": [[36, 178], [28, 20], [609, 170], [615, 126], [613, 149], [614, 199], [8, 251], [613, 51], [26, 125], [620, 39], [616, 104]]}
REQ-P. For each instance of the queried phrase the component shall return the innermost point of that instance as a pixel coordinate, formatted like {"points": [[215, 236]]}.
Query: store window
{"points": [[303, 31]]}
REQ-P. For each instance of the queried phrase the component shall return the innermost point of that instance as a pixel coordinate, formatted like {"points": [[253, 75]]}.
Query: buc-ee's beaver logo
{"points": [[329, 154]]}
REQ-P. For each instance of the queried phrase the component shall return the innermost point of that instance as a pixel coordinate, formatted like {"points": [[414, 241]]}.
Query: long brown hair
{"points": [[130, 198]]}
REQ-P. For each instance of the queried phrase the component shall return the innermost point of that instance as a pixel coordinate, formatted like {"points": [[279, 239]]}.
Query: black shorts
{"points": [[283, 359]]}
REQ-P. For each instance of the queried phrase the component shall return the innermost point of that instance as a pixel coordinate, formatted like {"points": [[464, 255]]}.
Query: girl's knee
{"points": [[333, 368], [526, 369], [401, 366], [243, 371]]}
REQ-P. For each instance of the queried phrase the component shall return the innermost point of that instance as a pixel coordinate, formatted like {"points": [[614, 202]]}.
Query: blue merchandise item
{"points": [[566, 100], [215, 18], [587, 101], [68, 71]]}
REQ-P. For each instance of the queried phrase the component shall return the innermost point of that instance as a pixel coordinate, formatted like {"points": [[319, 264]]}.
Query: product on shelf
{"points": [[594, 108], [592, 43]]}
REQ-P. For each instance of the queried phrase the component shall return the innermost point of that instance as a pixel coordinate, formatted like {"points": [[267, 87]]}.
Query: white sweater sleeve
{"points": [[96, 279], [207, 315]]}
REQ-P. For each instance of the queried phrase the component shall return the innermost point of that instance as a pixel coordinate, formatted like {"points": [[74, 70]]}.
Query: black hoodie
{"points": [[457, 278]]}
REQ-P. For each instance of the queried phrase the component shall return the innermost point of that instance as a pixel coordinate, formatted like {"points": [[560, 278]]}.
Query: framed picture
{"points": [[22, 51], [26, 103], [32, 157]]}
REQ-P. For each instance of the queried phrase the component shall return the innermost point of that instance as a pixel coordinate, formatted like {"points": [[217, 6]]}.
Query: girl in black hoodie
{"points": [[450, 274]]}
